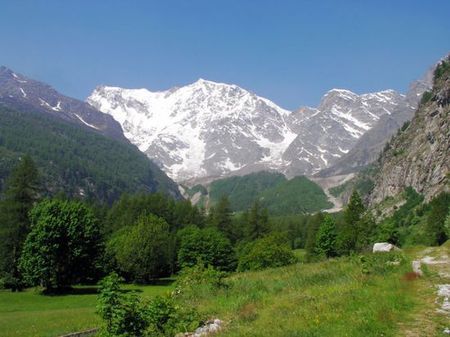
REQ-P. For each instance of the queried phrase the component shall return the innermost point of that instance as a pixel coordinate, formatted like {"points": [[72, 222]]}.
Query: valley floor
{"points": [[342, 297], [29, 314]]}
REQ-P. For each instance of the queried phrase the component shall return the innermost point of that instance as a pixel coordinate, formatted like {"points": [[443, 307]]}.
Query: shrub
{"points": [[124, 315], [268, 252], [143, 251], [208, 245]]}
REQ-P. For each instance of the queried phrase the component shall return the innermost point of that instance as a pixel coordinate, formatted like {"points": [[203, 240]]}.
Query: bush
{"points": [[209, 246], [268, 252], [381, 263], [190, 278], [143, 251], [124, 315]]}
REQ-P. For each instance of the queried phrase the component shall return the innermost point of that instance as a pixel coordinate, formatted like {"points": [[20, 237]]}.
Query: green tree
{"points": [[326, 237], [21, 194], [208, 246], [258, 222], [312, 227], [367, 228], [439, 208], [447, 226], [221, 217], [63, 245], [143, 251], [267, 252], [349, 231]]}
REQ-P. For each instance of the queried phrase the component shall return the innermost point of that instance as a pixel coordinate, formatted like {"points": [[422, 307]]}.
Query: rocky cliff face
{"points": [[419, 156]]}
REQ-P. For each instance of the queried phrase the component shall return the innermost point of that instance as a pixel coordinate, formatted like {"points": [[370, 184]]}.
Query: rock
{"points": [[416, 267], [384, 247]]}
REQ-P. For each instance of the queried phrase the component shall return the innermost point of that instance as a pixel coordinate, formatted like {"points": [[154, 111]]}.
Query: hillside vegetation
{"points": [[74, 160], [274, 192]]}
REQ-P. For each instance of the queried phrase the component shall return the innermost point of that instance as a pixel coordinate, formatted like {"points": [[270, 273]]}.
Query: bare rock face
{"points": [[419, 156]]}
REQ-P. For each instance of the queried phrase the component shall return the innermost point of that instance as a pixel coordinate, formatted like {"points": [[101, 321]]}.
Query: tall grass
{"points": [[342, 297]]}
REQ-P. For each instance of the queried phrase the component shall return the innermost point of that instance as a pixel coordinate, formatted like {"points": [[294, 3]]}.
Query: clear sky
{"points": [[288, 51]]}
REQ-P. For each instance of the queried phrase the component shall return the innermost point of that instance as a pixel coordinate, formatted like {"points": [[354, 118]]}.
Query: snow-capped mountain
{"points": [[202, 129], [213, 129], [25, 94], [329, 131]]}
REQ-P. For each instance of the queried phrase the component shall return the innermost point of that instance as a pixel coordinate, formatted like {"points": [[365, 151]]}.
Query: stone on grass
{"points": [[382, 247]]}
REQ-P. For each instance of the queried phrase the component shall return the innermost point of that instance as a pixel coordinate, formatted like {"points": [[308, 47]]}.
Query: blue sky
{"points": [[288, 51]]}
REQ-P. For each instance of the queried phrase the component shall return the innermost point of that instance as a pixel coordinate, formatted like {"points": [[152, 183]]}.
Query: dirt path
{"points": [[433, 318]]}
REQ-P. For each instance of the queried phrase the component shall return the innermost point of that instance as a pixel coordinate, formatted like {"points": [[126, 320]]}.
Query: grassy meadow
{"points": [[331, 298], [30, 314], [338, 297]]}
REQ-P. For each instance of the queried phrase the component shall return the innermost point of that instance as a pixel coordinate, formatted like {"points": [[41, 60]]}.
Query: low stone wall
{"points": [[86, 333]]}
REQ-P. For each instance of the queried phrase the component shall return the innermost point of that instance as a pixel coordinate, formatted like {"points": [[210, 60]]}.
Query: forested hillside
{"points": [[76, 161], [273, 191]]}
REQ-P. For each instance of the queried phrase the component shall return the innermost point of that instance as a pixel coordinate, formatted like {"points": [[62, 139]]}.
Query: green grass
{"points": [[30, 314], [331, 298]]}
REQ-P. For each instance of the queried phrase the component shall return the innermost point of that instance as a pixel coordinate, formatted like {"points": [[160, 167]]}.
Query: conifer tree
{"points": [[221, 217], [348, 234], [20, 195], [326, 238]]}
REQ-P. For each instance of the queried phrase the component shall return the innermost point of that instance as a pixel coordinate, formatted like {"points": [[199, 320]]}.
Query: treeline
{"points": [[58, 242]]}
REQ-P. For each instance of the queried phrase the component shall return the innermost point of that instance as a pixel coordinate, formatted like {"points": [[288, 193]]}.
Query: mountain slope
{"points": [[328, 132], [75, 160], [24, 94], [419, 156], [203, 129], [368, 147], [209, 129], [271, 189]]}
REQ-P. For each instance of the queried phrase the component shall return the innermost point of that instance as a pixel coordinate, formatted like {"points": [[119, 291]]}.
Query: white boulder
{"points": [[384, 247]]}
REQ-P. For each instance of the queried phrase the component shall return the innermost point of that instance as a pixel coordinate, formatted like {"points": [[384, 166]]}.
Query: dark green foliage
{"points": [[124, 314], [349, 231], [206, 246], [62, 246], [220, 218], [273, 191], [312, 226], [295, 196], [442, 68], [257, 222], [143, 251], [366, 233], [19, 197], [326, 238], [129, 208], [79, 162], [439, 208], [268, 252], [427, 96], [243, 191]]}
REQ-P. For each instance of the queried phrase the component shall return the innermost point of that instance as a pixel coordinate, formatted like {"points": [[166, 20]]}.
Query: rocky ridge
{"points": [[419, 156]]}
